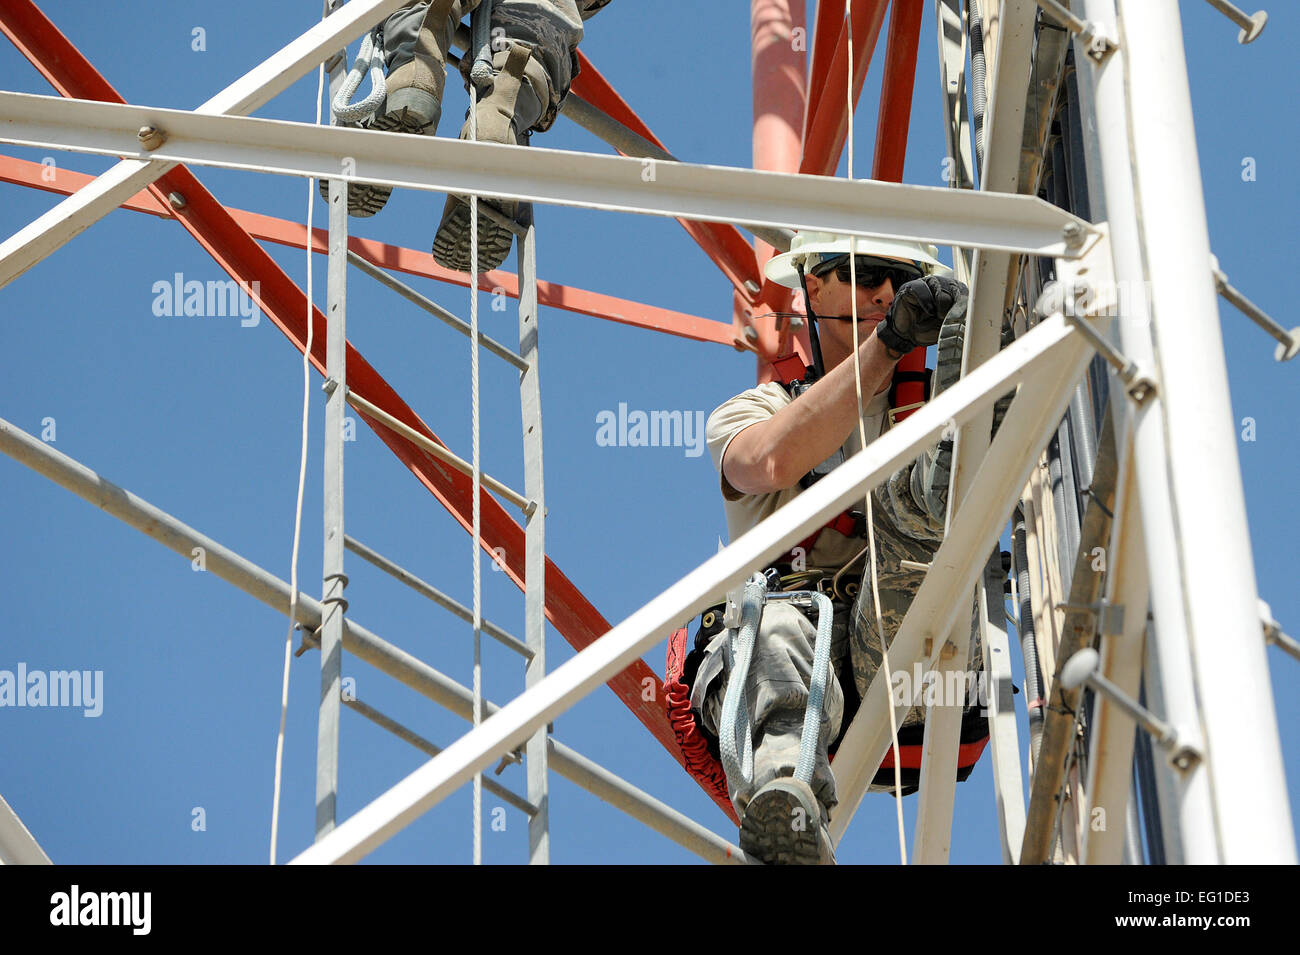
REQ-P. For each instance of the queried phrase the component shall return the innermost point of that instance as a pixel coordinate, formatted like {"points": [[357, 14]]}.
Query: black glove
{"points": [[918, 312]]}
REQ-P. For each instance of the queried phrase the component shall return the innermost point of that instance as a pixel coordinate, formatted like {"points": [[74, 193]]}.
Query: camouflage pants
{"points": [[553, 28], [776, 691], [904, 531], [909, 511]]}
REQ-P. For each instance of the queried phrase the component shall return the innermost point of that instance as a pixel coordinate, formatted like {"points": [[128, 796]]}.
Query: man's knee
{"points": [[780, 670]]}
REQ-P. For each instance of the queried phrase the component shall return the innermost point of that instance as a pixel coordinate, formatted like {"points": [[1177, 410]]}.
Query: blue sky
{"points": [[201, 416]]}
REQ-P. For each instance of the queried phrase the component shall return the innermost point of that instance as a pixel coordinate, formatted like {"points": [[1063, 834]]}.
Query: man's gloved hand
{"points": [[918, 311]]}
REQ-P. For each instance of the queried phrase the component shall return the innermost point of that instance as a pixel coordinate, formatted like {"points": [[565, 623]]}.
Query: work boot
{"points": [[784, 825], [782, 820], [505, 115], [415, 61], [417, 68]]}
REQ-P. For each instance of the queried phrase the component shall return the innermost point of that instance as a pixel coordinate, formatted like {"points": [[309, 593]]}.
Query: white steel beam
{"points": [[1234, 806], [259, 85], [705, 193], [1213, 557], [17, 845], [1004, 129], [1046, 347], [945, 592]]}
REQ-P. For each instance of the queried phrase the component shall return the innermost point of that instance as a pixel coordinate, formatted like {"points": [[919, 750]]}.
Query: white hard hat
{"points": [[816, 245]]}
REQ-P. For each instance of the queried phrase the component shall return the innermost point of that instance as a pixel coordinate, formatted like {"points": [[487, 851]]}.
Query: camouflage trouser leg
{"points": [[777, 693], [402, 28], [904, 531], [553, 28]]}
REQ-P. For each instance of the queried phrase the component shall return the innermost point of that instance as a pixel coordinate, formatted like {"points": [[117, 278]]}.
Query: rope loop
{"points": [[370, 59]]}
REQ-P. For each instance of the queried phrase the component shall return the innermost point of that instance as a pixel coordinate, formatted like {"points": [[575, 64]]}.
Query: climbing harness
{"points": [[735, 736]]}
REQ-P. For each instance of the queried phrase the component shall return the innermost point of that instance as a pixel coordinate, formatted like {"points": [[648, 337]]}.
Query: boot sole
{"points": [[407, 110], [451, 242], [767, 828], [414, 109], [364, 199]]}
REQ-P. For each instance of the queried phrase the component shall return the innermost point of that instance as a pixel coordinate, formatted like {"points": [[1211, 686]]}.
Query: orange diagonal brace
{"points": [[828, 129], [826, 37], [891, 144], [285, 303], [722, 243]]}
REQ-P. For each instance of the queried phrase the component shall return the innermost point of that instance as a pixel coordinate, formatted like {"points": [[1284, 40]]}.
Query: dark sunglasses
{"points": [[869, 274]]}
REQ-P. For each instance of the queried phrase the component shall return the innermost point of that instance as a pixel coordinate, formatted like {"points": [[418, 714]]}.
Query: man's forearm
{"points": [[808, 431]]}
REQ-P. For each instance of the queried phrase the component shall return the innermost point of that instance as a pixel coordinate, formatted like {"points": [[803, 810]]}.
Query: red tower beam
{"points": [[724, 244], [896, 87], [780, 97], [286, 304], [892, 125], [828, 129], [826, 37]]}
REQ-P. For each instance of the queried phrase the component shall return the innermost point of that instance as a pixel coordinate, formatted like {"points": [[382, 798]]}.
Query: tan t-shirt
{"points": [[744, 511]]}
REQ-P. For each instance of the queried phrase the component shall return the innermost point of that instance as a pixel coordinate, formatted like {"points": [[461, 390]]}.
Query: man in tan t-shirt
{"points": [[765, 443]]}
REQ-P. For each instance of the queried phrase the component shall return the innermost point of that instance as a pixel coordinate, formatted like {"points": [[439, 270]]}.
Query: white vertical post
{"points": [[336, 408], [1233, 807], [536, 752]]}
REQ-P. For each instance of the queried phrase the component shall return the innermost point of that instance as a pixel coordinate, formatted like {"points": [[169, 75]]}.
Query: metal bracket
{"points": [[310, 640], [731, 615], [1093, 36], [1109, 617], [1082, 669]]}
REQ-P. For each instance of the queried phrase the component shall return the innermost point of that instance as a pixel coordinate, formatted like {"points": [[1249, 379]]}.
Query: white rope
{"points": [[862, 437], [369, 58], [302, 478], [477, 517]]}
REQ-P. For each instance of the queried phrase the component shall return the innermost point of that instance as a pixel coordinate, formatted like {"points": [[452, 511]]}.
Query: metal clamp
{"points": [[1081, 669]]}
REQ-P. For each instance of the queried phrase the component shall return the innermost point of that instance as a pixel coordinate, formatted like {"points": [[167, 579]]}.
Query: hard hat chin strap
{"points": [[819, 367]]}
